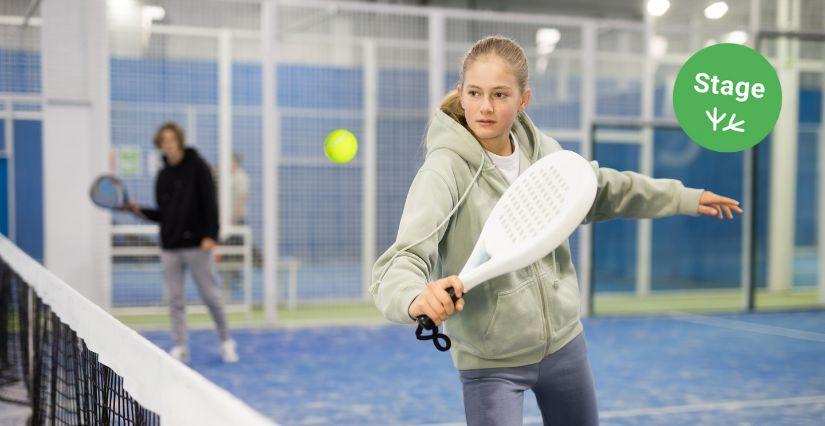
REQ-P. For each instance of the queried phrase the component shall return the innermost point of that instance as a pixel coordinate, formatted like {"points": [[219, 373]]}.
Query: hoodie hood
{"points": [[188, 154], [446, 133]]}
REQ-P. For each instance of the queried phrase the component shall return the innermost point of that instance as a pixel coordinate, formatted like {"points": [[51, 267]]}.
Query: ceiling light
{"points": [[716, 10], [657, 7]]}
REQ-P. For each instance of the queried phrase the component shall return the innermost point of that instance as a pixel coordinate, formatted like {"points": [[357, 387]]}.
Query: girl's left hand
{"points": [[711, 204]]}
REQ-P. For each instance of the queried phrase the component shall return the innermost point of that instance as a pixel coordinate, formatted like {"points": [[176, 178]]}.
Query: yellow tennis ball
{"points": [[340, 146]]}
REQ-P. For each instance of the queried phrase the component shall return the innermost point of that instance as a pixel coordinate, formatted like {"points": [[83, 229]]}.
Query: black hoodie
{"points": [[187, 207]]}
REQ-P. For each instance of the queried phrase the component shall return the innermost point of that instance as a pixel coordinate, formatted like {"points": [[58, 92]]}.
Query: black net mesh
{"points": [[44, 364]]}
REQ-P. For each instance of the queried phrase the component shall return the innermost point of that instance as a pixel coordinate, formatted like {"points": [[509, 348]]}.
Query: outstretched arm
{"points": [[143, 213], [631, 195]]}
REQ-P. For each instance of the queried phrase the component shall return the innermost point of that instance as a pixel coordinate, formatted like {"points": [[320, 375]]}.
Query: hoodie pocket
{"points": [[517, 325], [564, 303]]}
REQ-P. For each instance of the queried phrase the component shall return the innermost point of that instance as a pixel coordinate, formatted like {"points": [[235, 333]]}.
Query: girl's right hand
{"points": [[435, 302]]}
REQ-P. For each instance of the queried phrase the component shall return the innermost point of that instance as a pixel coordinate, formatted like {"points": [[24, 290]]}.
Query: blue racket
{"points": [[108, 192]]}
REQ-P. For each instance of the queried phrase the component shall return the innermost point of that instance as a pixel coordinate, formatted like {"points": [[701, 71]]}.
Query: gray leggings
{"points": [[202, 266], [562, 382]]}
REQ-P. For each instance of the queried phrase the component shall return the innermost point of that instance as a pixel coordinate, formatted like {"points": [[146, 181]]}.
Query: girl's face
{"points": [[491, 99]]}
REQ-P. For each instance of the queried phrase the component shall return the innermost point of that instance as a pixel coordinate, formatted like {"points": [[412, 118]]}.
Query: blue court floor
{"points": [[678, 370]]}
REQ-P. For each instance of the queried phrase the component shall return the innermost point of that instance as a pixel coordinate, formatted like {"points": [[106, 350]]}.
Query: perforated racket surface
{"points": [[536, 214]]}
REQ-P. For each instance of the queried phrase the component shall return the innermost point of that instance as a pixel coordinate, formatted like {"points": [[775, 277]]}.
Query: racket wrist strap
{"points": [[440, 340]]}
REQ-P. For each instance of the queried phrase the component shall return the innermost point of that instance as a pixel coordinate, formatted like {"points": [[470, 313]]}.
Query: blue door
{"points": [[27, 158], [28, 186]]}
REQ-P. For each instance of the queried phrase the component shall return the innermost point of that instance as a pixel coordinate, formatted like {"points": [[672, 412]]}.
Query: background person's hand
{"points": [[711, 204], [132, 207], [207, 244], [435, 302]]}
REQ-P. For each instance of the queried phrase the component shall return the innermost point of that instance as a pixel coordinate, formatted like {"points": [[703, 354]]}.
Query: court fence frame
{"points": [[799, 65]]}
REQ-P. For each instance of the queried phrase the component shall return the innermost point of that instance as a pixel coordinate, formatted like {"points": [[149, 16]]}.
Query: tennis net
{"points": [[74, 364]]}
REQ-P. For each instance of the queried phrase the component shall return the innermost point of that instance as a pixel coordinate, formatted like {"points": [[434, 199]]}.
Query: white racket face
{"points": [[527, 209], [535, 215]]}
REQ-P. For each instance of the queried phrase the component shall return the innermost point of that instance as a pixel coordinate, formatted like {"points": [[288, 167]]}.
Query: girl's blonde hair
{"points": [[506, 49]]}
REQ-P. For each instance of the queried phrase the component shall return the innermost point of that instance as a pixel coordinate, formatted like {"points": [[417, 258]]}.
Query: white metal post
{"points": [[12, 203], [292, 289], [749, 174], [644, 231], [369, 163], [587, 115], [563, 80], [191, 126], [754, 20], [247, 270], [271, 152], [225, 129], [76, 112], [820, 168], [784, 156], [437, 54]]}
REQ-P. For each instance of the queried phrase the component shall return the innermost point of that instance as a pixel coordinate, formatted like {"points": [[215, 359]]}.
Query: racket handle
{"points": [[426, 322]]}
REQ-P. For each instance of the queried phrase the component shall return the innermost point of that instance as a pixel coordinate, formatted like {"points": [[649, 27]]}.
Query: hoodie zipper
{"points": [[545, 320], [555, 288]]}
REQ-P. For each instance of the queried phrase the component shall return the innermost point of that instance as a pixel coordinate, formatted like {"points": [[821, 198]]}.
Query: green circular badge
{"points": [[727, 97]]}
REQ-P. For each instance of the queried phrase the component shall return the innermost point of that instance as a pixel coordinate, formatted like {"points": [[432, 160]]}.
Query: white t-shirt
{"points": [[509, 166]]}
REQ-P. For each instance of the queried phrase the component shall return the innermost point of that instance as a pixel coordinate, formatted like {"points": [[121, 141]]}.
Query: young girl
{"points": [[521, 330]]}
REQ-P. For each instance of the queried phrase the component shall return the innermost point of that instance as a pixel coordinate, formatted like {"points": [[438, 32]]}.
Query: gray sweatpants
{"points": [[202, 265], [562, 382]]}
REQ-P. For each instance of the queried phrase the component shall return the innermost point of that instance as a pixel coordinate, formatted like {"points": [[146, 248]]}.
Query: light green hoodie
{"points": [[521, 317]]}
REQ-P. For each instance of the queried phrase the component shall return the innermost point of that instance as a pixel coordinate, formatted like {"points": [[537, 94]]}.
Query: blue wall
{"points": [[320, 204]]}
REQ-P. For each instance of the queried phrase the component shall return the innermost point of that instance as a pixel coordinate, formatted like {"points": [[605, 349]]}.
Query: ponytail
{"points": [[451, 105]]}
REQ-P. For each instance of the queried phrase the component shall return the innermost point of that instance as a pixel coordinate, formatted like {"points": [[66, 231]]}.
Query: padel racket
{"points": [[107, 191], [536, 214]]}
